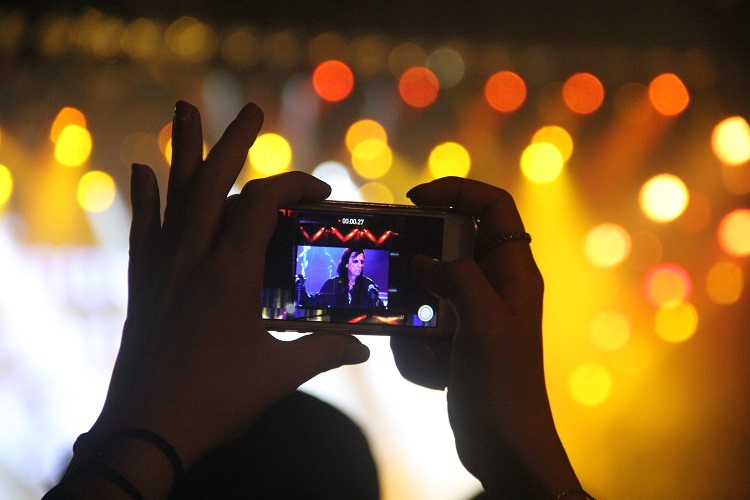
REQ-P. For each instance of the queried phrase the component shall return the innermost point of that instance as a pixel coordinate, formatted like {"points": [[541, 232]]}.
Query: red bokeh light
{"points": [[418, 87], [333, 80]]}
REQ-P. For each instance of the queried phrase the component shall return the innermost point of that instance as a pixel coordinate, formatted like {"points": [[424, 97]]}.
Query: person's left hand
{"points": [[196, 364]]}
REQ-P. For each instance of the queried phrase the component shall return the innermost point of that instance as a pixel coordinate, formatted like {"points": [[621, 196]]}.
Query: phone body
{"points": [[346, 267]]}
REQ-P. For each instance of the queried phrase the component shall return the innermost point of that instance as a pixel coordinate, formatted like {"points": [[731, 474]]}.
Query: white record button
{"points": [[425, 313]]}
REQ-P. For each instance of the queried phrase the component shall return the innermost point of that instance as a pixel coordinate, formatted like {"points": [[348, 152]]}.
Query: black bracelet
{"points": [[156, 440], [111, 475]]}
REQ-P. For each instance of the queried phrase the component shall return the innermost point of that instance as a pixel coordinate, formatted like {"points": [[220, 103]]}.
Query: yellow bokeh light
{"points": [[140, 39], [676, 324], [96, 191], [607, 245], [449, 159], [668, 285], [731, 141], [558, 137], [191, 39], [362, 130], [590, 384], [6, 184], [725, 283], [663, 198], [66, 116], [73, 146], [376, 192], [609, 330], [734, 233], [372, 158], [541, 162], [271, 154]]}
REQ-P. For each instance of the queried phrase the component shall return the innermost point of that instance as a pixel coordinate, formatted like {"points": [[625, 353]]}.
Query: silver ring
{"points": [[505, 238]]}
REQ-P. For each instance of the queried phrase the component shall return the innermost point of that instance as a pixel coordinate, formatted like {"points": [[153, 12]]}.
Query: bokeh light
{"points": [[676, 323], [668, 285], [725, 282], [96, 191], [333, 80], [164, 141], [731, 141], [609, 330], [449, 159], [376, 192], [66, 116], [590, 384], [505, 91], [583, 93], [6, 184], [404, 56], [668, 94], [734, 233], [192, 40], [73, 146], [663, 198], [140, 39], [271, 154], [362, 130], [372, 158], [558, 137], [606, 245], [241, 50], [339, 178], [541, 162], [448, 66], [418, 87]]}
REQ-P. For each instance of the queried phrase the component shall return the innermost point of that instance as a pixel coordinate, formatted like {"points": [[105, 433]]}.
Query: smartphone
{"points": [[346, 267]]}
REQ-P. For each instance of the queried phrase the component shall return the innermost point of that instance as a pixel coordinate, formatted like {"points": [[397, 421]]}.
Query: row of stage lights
{"points": [[419, 79]]}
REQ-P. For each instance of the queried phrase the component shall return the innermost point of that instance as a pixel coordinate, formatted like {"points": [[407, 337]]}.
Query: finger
{"points": [[144, 198], [314, 354], [187, 155], [493, 207], [481, 313], [425, 362], [510, 266], [212, 181], [144, 234], [254, 213]]}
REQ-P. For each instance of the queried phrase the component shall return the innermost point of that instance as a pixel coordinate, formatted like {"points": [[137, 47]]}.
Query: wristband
{"points": [[167, 450]]}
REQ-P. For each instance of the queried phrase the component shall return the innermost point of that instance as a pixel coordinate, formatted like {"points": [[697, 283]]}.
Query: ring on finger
{"points": [[501, 239]]}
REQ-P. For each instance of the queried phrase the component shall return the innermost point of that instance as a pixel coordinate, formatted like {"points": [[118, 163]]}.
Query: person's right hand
{"points": [[196, 363], [493, 366]]}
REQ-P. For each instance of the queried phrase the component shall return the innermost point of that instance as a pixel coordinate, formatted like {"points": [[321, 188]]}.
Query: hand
{"points": [[493, 366], [196, 364]]}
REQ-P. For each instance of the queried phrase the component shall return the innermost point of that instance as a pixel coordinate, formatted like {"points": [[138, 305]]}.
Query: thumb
{"points": [[319, 352], [465, 286]]}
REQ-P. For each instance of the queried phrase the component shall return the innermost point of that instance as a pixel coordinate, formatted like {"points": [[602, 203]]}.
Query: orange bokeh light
{"points": [[418, 87], [505, 91], [668, 285], [66, 116], [333, 80], [668, 94], [583, 93], [734, 233]]}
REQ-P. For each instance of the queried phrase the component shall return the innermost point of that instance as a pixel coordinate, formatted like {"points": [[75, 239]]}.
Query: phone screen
{"points": [[350, 268]]}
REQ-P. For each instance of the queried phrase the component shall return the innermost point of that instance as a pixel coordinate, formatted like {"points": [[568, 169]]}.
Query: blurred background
{"points": [[620, 127]]}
